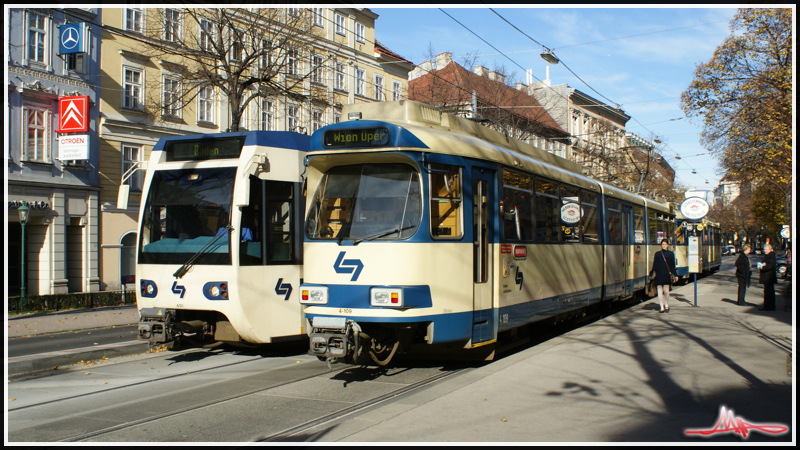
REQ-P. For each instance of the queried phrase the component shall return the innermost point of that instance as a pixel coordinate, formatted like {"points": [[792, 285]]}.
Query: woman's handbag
{"points": [[673, 278]]}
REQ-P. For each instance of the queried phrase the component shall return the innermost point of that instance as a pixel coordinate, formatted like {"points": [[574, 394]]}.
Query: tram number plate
{"points": [[345, 311]]}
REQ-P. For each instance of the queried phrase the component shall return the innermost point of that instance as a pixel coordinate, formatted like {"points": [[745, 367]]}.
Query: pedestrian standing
{"points": [[743, 272], [768, 278], [664, 272]]}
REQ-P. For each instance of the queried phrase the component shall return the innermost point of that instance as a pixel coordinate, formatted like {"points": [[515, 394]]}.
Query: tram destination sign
{"points": [[202, 149], [694, 208], [356, 137]]}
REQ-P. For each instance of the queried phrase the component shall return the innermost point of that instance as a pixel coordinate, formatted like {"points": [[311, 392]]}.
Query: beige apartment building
{"points": [[298, 66]]}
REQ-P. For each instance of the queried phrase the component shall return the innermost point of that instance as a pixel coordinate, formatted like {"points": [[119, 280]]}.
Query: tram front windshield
{"points": [[365, 202], [185, 214]]}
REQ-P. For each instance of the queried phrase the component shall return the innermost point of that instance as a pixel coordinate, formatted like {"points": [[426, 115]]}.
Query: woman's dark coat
{"points": [[768, 274], [663, 265], [743, 269]]}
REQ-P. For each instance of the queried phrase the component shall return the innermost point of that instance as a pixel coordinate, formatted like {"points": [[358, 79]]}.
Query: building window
{"points": [[360, 32], [340, 78], [319, 17], [292, 118], [360, 81], [379, 88], [205, 104], [337, 116], [134, 19], [267, 119], [37, 37], [318, 74], [317, 120], [75, 62], [172, 97], [37, 135], [133, 89], [397, 91], [266, 54], [237, 46], [340, 24], [132, 154], [172, 25], [293, 62], [206, 37]]}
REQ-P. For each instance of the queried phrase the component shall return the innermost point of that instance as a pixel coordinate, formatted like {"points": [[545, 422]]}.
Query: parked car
{"points": [[728, 250]]}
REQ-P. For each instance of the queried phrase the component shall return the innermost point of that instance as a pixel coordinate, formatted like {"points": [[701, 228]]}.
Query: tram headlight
{"points": [[391, 297], [313, 295]]}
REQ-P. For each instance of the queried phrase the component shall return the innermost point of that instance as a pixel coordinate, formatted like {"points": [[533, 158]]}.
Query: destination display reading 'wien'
{"points": [[356, 137], [220, 148]]}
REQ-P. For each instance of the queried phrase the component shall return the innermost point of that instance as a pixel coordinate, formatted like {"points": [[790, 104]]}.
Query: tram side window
{"points": [[446, 199], [546, 211], [570, 214], [516, 208], [652, 226], [638, 225], [591, 234], [613, 221]]}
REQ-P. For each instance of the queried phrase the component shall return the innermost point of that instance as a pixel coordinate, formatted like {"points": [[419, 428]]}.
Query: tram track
{"points": [[194, 407]]}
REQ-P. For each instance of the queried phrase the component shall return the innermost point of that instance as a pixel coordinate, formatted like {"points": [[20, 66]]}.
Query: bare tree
{"points": [[243, 54]]}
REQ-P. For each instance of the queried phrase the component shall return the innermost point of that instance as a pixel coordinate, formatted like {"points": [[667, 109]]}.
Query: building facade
{"points": [[483, 95], [597, 130], [53, 149], [297, 67]]}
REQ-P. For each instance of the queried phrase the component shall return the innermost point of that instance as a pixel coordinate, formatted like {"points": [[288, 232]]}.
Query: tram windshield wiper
{"points": [[383, 234], [349, 223], [190, 262]]}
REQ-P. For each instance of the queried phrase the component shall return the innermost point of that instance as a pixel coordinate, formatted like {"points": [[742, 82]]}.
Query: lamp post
{"points": [[23, 219]]}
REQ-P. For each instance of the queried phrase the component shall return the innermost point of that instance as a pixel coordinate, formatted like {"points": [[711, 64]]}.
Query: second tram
{"points": [[220, 247]]}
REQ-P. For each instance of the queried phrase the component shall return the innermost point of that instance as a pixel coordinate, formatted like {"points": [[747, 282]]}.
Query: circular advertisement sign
{"points": [[694, 208], [571, 213]]}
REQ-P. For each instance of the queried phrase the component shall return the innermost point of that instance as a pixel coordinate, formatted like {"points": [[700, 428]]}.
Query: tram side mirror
{"points": [[122, 196]]}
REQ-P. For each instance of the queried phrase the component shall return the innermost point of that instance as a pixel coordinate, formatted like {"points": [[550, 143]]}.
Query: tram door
{"points": [[627, 254], [483, 324]]}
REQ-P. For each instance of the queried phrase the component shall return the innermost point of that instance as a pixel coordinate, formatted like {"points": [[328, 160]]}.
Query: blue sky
{"points": [[641, 58]]}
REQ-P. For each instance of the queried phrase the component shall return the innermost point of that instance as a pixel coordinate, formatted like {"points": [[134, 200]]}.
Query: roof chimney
{"points": [[443, 59], [546, 80], [494, 76], [481, 71]]}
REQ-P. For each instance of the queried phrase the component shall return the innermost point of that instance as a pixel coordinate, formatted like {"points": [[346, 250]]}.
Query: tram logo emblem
{"points": [[518, 278], [178, 289], [353, 266], [283, 289]]}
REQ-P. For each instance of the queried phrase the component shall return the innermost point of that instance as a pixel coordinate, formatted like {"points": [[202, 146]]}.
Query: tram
{"points": [[710, 245], [423, 228], [219, 252]]}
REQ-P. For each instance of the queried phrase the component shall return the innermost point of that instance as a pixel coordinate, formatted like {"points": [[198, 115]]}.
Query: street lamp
{"points": [[549, 56], [23, 212]]}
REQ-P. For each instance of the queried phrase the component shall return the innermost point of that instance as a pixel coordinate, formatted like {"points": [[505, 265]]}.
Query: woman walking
{"points": [[664, 270]]}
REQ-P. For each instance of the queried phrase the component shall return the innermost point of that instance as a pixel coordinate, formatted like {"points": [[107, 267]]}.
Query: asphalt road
{"points": [[46, 343]]}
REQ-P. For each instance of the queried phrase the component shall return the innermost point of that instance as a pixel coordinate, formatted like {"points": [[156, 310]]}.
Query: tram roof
{"points": [[421, 126]]}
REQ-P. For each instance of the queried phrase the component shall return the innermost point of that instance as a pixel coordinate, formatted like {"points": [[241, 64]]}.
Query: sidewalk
{"points": [[637, 376], [71, 320]]}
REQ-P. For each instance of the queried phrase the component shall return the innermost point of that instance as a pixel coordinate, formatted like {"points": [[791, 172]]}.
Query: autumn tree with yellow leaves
{"points": [[743, 98]]}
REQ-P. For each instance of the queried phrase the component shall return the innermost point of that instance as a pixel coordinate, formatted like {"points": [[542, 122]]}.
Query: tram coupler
{"points": [[333, 339], [156, 325]]}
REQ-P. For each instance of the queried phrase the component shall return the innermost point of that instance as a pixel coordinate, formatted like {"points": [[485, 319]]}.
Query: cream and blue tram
{"points": [[709, 237], [219, 255], [426, 228]]}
